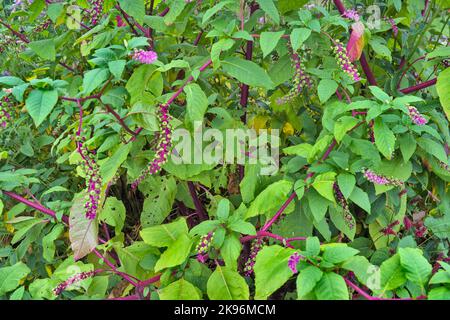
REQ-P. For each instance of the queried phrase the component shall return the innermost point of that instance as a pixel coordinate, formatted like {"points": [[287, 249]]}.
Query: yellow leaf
{"points": [[288, 129]]}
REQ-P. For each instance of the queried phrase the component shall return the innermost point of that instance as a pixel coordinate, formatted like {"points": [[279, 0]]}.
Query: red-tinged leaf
{"points": [[83, 233], [356, 43]]}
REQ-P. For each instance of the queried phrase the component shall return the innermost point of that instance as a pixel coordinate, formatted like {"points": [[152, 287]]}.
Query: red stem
{"points": [[419, 86], [197, 203]]}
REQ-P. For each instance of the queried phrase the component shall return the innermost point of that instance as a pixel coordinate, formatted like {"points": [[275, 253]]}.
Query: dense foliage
{"points": [[94, 206]]}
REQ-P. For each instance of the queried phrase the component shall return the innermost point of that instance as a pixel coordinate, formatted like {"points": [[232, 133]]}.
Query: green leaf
{"points": [[379, 46], [243, 227], [302, 150], [416, 266], [270, 199], [343, 125], [223, 209], [160, 193], [177, 252], [230, 251], [135, 9], [212, 11], [361, 198], [440, 277], [407, 146], [380, 94], [109, 168], [113, 213], [443, 90], [384, 138], [271, 270], [164, 235], [83, 232], [40, 103], [365, 272], [247, 72], [346, 183], [440, 293], [116, 67], [290, 5], [145, 84], [269, 41], [44, 49], [312, 246], [392, 274], [270, 9], [176, 8], [307, 280], [10, 276], [326, 89], [217, 48], [298, 36], [331, 287], [433, 148], [338, 254], [180, 290], [93, 79], [439, 226], [197, 103], [317, 205], [439, 52], [324, 185], [48, 242], [226, 284]]}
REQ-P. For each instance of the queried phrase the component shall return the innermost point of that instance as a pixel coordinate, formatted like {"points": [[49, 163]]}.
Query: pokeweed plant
{"points": [[95, 207]]}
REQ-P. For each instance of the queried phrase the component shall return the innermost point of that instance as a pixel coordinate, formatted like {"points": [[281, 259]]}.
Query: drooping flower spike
{"points": [[72, 280], [164, 145], [301, 79], [96, 10], [293, 262], [416, 117], [254, 250], [351, 14], [5, 109], [203, 247], [381, 180], [145, 57], [393, 26], [93, 178], [348, 217], [344, 61]]}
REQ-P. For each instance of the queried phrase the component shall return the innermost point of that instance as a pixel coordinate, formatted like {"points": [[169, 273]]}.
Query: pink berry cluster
{"points": [[348, 217], [382, 180], [203, 247], [301, 79], [93, 179], [344, 61], [351, 14], [293, 262], [5, 111], [70, 281], [42, 26], [416, 117], [254, 250], [145, 57], [163, 148], [96, 11], [393, 26], [419, 227]]}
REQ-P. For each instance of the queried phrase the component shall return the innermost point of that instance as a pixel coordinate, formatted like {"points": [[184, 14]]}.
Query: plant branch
{"points": [[419, 86], [197, 203]]}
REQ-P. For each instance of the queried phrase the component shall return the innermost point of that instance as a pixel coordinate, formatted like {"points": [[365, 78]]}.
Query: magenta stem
{"points": [[419, 86]]}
